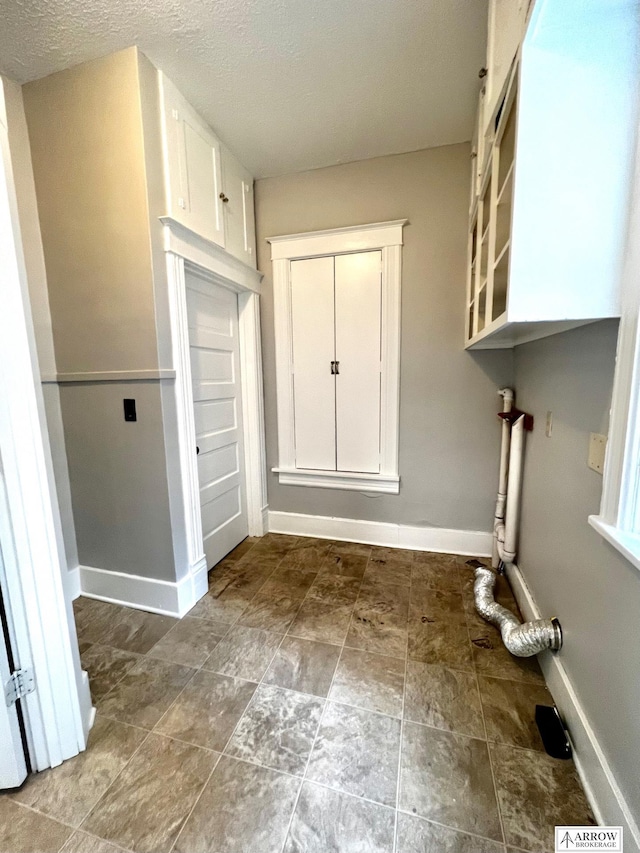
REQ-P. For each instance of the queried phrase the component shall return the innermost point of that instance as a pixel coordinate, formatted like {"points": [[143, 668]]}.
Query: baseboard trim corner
{"points": [[606, 798], [155, 596], [474, 543]]}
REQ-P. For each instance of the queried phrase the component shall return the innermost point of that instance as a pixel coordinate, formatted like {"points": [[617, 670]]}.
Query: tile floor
{"points": [[322, 698]]}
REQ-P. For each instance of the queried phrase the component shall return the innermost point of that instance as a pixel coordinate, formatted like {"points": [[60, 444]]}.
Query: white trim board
{"points": [[601, 788], [110, 376], [149, 594], [475, 543]]}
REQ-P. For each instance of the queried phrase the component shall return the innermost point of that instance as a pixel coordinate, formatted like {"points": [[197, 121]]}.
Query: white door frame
{"points": [[58, 714], [185, 250]]}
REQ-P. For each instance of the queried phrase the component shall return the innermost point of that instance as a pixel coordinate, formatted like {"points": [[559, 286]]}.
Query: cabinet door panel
{"points": [[202, 158], [237, 185], [312, 318], [358, 303]]}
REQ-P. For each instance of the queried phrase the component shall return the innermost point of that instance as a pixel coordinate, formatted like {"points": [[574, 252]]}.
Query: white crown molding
{"points": [[334, 241], [475, 543], [207, 255], [605, 797]]}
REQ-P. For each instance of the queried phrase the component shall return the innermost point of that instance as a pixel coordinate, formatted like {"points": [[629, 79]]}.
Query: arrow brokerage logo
{"points": [[593, 838]]}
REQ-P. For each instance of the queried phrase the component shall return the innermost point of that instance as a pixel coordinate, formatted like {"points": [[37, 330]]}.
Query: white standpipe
{"points": [[501, 502], [528, 638]]}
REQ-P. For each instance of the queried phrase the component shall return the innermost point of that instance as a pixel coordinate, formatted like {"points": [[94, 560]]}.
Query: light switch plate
{"points": [[597, 449]]}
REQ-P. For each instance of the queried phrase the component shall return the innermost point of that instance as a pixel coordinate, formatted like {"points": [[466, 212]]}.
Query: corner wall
{"points": [[570, 570], [449, 436]]}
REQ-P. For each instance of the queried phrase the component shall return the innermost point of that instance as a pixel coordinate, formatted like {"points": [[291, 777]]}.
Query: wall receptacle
{"points": [[597, 449]]}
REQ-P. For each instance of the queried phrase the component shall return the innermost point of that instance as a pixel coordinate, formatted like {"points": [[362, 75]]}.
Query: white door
{"points": [[212, 313], [13, 766], [314, 387], [358, 283]]}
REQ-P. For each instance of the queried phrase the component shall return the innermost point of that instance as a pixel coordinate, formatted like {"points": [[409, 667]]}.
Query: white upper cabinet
{"points": [[207, 189], [193, 175], [237, 201], [506, 28], [548, 224]]}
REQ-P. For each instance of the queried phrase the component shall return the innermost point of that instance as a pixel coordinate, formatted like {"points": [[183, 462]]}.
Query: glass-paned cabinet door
{"points": [[472, 274], [503, 171], [484, 251]]}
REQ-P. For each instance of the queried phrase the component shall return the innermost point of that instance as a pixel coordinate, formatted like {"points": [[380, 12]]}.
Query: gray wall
{"points": [[449, 437], [571, 571], [91, 176]]}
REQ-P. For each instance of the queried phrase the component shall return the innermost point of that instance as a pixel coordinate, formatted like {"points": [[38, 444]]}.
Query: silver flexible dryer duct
{"points": [[522, 639]]}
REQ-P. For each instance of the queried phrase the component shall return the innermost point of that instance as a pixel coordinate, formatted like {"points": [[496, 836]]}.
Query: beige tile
{"points": [[277, 730], [304, 665], [440, 642], [244, 653], [329, 822], [190, 641], [357, 752], [443, 698], [68, 792], [207, 711], [271, 612], [509, 710], [537, 793], [334, 589], [137, 631], [145, 808], [25, 831], [416, 835], [322, 621], [306, 555], [289, 581], [243, 809], [231, 589], [94, 618], [446, 778], [370, 681], [105, 667], [145, 692], [82, 842], [379, 621]]}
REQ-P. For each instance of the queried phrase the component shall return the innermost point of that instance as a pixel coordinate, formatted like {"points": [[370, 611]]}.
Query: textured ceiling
{"points": [[287, 84]]}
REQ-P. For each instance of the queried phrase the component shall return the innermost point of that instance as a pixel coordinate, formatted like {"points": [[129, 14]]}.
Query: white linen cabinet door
{"points": [[358, 293], [313, 345]]}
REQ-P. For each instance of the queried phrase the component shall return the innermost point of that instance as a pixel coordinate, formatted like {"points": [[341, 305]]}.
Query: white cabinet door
{"points": [[215, 371], [239, 222], [358, 290], [192, 167], [312, 319]]}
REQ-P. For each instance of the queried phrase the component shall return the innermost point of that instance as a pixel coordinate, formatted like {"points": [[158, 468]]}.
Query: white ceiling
{"points": [[289, 85]]}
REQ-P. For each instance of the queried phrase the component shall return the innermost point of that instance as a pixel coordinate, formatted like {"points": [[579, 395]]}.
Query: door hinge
{"points": [[21, 683]]}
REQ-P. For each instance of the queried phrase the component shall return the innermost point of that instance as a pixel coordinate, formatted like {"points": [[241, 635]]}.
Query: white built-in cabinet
{"points": [[552, 161], [207, 189], [337, 327]]}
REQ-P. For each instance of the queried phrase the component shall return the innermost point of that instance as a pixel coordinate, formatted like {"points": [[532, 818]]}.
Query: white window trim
{"points": [[387, 238], [620, 505]]}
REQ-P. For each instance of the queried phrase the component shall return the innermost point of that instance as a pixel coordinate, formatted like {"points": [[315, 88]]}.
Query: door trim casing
{"points": [[184, 253]]}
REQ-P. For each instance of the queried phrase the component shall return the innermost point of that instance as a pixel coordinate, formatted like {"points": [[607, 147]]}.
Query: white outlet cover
{"points": [[597, 450]]}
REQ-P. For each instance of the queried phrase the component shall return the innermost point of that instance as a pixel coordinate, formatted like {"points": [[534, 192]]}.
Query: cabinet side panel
{"points": [[312, 317], [358, 294]]}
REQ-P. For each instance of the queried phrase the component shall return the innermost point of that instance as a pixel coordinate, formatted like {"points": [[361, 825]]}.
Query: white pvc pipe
{"points": [[512, 519], [499, 517]]}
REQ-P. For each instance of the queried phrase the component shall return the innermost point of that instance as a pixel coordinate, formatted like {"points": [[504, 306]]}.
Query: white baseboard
{"points": [[72, 583], [607, 801], [475, 543], [155, 596]]}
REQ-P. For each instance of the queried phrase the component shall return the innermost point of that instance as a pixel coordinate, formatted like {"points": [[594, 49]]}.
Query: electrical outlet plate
{"points": [[597, 449]]}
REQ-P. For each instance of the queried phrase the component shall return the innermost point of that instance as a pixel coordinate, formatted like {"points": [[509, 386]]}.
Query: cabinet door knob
{"points": [[223, 197], [335, 368], [482, 73]]}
